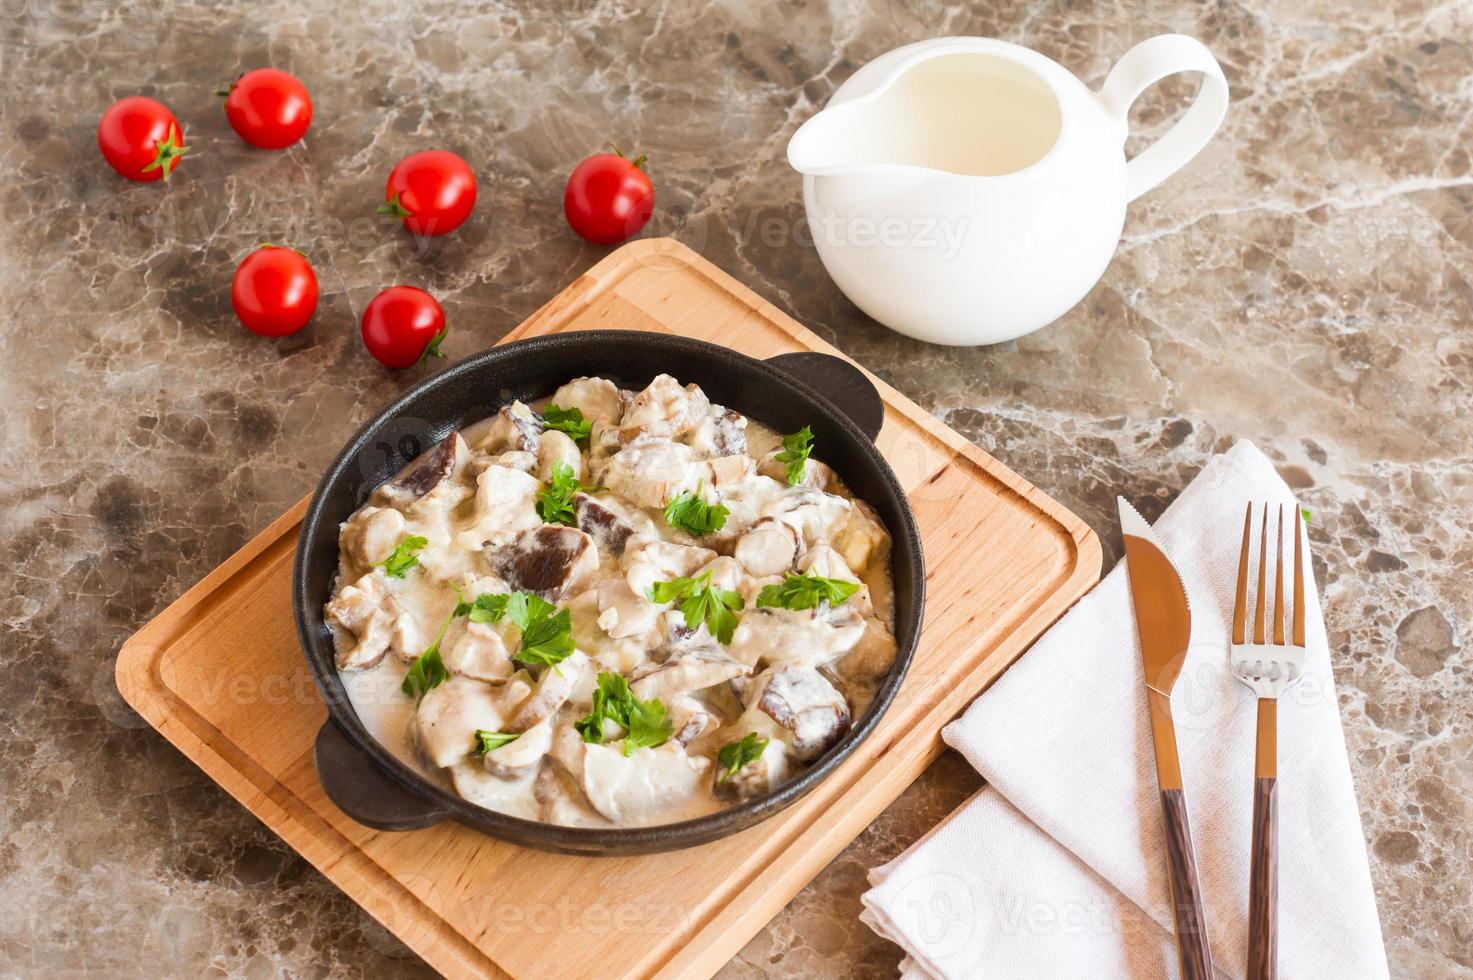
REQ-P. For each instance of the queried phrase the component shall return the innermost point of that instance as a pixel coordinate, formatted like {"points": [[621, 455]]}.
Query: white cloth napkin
{"points": [[1057, 868]]}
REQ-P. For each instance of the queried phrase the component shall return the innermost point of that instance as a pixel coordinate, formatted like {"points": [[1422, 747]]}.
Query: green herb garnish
{"points": [[1304, 513], [488, 608], [546, 639], [490, 741], [646, 724], [569, 420], [547, 634], [691, 514], [806, 592], [404, 556], [555, 501], [734, 755], [428, 670], [702, 602], [797, 447]]}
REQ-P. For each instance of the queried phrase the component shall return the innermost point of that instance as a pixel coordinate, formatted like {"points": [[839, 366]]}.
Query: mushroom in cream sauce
{"points": [[613, 608]]}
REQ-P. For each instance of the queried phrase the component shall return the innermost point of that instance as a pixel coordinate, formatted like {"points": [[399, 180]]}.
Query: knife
{"points": [[1165, 626]]}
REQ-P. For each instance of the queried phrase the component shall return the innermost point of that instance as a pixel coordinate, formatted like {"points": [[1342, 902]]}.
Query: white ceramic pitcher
{"points": [[967, 190]]}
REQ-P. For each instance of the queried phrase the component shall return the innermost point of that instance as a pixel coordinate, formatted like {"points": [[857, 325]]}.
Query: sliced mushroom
{"points": [[554, 447], [798, 706], [806, 637], [612, 653], [553, 689], [759, 777], [815, 515], [506, 503], [862, 540], [518, 459], [515, 427], [872, 656], [621, 612], [725, 471], [721, 433], [514, 795], [435, 475], [370, 535], [562, 802], [651, 472], [816, 475], [479, 652], [643, 784], [612, 525], [551, 561], [690, 719], [768, 547], [669, 558], [361, 617], [687, 670], [664, 410], [597, 398], [726, 572], [449, 715], [517, 757], [823, 560], [603, 445]]}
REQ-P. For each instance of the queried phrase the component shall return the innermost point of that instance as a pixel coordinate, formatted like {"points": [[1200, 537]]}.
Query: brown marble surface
{"points": [[1306, 283]]}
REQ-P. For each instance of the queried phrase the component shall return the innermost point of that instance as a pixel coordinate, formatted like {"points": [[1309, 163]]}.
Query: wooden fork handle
{"points": [[1263, 894], [1186, 893]]}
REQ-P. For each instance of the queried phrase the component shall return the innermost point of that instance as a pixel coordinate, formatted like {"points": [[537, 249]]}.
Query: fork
{"points": [[1269, 669]]}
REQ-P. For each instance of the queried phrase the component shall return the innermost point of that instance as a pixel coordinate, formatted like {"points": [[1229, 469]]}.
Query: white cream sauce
{"points": [[795, 677]]}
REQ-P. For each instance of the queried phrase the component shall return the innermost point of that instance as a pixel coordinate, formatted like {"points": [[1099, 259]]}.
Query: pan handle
{"points": [[840, 382], [360, 790]]}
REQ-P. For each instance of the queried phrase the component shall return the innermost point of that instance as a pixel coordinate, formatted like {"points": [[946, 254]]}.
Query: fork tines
{"points": [[1274, 666]]}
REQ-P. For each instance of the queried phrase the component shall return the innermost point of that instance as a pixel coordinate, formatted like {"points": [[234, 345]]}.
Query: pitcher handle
{"points": [[1143, 66]]}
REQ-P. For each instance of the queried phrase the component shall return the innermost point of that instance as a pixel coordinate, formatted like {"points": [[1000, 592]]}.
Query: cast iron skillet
{"points": [[785, 392]]}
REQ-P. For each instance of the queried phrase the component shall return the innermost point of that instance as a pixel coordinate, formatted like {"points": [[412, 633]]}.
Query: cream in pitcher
{"points": [[968, 190]]}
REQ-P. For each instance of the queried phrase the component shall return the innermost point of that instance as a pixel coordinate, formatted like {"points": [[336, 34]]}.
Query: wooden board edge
{"points": [[136, 658]]}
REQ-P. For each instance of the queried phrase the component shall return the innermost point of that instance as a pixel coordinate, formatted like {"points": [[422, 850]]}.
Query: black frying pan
{"points": [[785, 393]]}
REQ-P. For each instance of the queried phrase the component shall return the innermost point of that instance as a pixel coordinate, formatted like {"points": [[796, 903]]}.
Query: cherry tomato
{"points": [[268, 108], [433, 191], [274, 291], [609, 198], [140, 139], [403, 326]]}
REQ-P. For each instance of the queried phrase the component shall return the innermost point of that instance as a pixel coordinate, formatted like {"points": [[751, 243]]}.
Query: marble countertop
{"points": [[1306, 283]]}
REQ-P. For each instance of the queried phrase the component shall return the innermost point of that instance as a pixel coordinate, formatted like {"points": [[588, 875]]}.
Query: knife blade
{"points": [[1164, 623]]}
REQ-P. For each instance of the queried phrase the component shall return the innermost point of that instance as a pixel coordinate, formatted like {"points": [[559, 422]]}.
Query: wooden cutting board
{"points": [[220, 675]]}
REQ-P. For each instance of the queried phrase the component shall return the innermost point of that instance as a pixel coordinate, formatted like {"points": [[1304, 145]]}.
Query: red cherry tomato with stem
{"points": [[433, 191], [268, 108], [403, 326], [609, 198], [274, 291], [141, 139]]}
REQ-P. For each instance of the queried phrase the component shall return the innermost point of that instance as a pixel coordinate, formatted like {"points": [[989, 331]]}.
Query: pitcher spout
{"points": [[828, 143]]}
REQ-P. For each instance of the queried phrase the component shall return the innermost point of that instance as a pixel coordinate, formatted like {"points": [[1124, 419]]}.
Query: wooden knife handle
{"points": [[1263, 894], [1186, 893]]}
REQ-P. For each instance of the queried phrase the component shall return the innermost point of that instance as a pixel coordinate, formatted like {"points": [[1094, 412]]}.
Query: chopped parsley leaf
{"points": [[569, 420], [646, 724], [555, 501], [702, 602], [806, 592], [797, 446], [404, 556], [490, 741], [734, 755], [689, 513]]}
